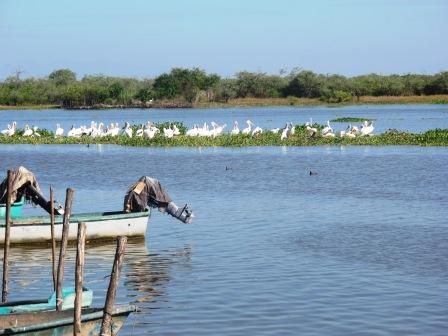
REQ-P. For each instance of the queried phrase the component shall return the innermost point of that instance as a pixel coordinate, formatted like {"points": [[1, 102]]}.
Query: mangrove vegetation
{"points": [[194, 87]]}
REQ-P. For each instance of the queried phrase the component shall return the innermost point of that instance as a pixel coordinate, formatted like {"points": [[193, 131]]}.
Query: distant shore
{"points": [[252, 102]]}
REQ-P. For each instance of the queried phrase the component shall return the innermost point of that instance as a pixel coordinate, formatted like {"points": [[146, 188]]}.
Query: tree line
{"points": [[190, 86]]}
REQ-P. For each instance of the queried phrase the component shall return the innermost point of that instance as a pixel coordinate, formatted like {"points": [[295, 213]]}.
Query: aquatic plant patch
{"points": [[434, 137], [351, 119]]}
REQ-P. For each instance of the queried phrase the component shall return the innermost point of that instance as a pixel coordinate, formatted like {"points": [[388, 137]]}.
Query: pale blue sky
{"points": [[146, 38]]}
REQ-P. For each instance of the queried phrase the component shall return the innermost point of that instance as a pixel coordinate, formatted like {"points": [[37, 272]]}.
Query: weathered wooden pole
{"points": [[53, 241], [7, 233], [79, 274], [63, 250], [113, 285]]}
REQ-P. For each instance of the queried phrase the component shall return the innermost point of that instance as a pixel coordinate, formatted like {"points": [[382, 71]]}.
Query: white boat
{"points": [[100, 225]]}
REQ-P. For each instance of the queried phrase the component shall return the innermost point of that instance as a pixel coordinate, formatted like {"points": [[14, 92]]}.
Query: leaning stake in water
{"points": [[79, 273], [7, 234], [65, 228], [53, 241], [113, 285]]}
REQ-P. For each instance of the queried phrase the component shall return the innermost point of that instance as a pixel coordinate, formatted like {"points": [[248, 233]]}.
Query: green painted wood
{"points": [[57, 322], [68, 294], [84, 217]]}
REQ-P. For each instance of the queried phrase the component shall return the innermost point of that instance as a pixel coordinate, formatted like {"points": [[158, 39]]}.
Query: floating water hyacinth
{"points": [[172, 134]]}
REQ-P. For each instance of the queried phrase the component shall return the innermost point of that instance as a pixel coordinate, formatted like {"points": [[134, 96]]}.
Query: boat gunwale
{"points": [[81, 217]]}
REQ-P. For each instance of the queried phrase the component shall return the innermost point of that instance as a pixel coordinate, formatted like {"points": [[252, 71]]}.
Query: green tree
{"points": [[304, 84], [184, 83], [62, 77], [116, 90], [72, 96], [258, 85], [225, 90], [438, 84], [144, 94]]}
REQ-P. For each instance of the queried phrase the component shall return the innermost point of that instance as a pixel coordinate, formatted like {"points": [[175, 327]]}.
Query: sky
{"points": [[145, 38]]}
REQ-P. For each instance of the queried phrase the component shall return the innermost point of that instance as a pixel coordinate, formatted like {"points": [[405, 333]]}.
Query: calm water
{"points": [[413, 118], [361, 248]]}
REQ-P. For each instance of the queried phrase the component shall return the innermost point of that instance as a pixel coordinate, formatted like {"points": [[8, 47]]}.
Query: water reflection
{"points": [[145, 273], [148, 273], [360, 246]]}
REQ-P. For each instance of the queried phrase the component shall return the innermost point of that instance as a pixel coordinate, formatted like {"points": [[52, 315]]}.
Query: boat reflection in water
{"points": [[144, 277]]}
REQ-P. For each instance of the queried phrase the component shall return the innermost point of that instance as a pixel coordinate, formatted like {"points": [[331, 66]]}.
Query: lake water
{"points": [[412, 118], [361, 248]]}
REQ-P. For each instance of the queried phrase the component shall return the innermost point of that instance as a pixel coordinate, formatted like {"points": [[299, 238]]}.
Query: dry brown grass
{"points": [[290, 101], [29, 107], [402, 99], [293, 101], [246, 102]]}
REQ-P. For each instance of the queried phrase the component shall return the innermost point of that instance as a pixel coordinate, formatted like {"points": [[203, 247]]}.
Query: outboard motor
{"points": [[148, 191], [185, 215]]}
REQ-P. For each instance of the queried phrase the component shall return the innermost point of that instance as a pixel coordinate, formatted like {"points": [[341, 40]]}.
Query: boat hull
{"points": [[105, 225], [61, 323]]}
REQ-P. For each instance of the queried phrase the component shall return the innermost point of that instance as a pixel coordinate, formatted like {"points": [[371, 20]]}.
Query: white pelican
{"points": [[212, 131], [168, 132], [59, 131], [127, 130], [35, 133], [292, 128], [150, 132], [90, 130], [218, 130], [367, 128], [27, 131], [350, 133], [286, 131], [312, 131], [74, 132], [344, 133], [204, 130], [257, 130], [235, 130], [248, 129], [275, 130], [354, 130], [327, 129], [193, 131], [114, 130], [97, 131], [11, 130], [139, 132], [175, 130]]}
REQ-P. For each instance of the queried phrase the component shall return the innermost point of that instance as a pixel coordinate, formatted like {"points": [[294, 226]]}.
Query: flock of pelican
{"points": [[366, 129], [149, 130]]}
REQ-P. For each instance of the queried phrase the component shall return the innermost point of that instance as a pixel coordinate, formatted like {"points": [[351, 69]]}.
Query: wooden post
{"points": [[7, 233], [62, 252], [53, 241], [79, 273], [113, 285]]}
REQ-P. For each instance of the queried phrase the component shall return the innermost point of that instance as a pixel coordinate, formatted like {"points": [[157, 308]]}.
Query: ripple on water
{"points": [[358, 249]]}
